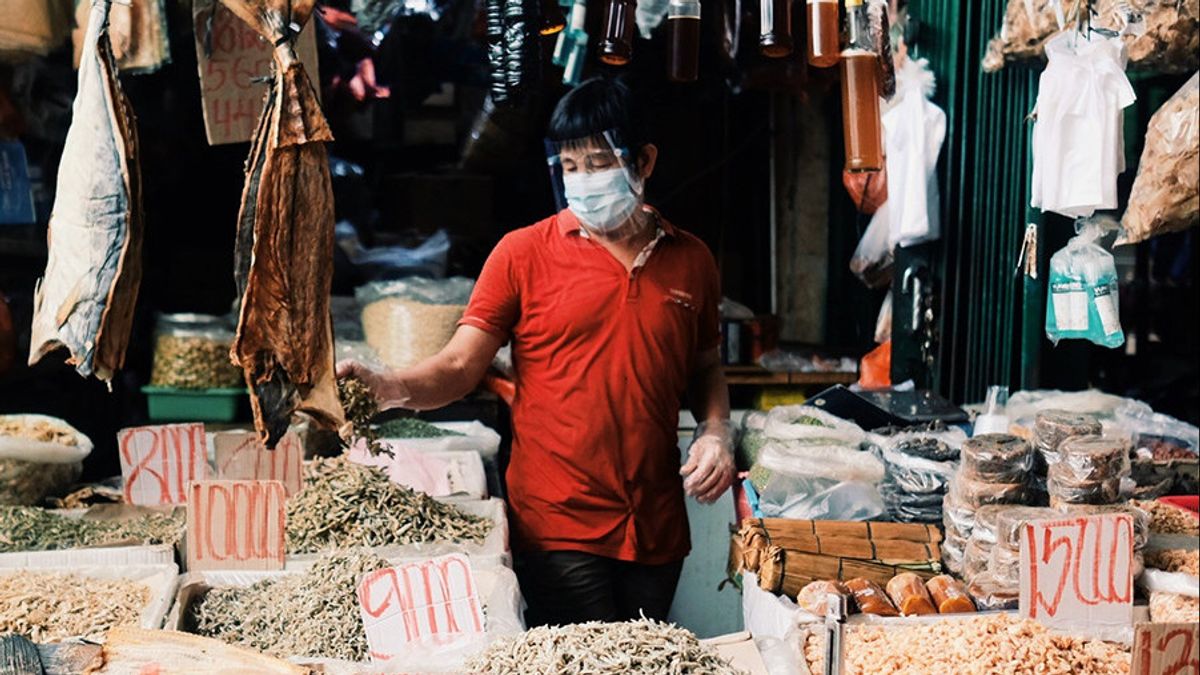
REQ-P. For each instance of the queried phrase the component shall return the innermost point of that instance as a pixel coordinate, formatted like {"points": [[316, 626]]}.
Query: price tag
{"points": [[1077, 574], [236, 525], [158, 462], [1166, 649], [433, 602], [241, 456], [231, 58]]}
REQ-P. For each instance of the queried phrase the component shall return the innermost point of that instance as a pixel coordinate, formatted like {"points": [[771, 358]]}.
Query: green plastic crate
{"points": [[169, 404]]}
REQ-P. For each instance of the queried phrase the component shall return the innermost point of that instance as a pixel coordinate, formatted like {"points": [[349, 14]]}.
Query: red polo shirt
{"points": [[601, 357]]}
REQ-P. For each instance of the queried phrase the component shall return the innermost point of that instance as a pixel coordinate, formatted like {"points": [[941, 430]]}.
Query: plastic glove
{"points": [[709, 470], [389, 390]]}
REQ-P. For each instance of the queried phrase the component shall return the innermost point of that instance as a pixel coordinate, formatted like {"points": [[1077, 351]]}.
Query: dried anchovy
{"points": [[193, 362], [360, 406], [47, 607], [411, 427], [345, 504], [642, 646], [25, 528], [312, 614]]}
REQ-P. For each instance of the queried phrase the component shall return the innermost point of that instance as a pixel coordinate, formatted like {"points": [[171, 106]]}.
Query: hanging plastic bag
{"points": [[872, 261], [809, 425], [1166, 193], [1083, 292], [914, 129]]}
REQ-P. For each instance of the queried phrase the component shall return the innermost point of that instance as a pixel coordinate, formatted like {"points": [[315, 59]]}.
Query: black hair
{"points": [[598, 105]]}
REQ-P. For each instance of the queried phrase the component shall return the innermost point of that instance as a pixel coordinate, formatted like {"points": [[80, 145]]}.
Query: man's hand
{"points": [[389, 390], [709, 470]]}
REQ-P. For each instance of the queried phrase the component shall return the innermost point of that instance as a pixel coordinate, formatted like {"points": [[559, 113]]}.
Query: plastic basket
{"points": [[168, 404]]}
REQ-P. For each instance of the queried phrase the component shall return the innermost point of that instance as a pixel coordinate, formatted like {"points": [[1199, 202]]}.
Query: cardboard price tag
{"points": [[158, 462], [236, 525], [1077, 574], [433, 602], [241, 456], [1166, 649], [231, 58]]}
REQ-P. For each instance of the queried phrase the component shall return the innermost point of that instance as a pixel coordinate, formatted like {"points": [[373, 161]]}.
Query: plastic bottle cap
{"points": [[685, 9]]}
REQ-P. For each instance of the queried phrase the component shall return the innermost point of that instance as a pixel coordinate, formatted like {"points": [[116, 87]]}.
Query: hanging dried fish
{"points": [[85, 300], [284, 257]]}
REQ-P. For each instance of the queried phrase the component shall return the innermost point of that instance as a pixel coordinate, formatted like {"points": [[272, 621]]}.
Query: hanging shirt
{"points": [[601, 359]]}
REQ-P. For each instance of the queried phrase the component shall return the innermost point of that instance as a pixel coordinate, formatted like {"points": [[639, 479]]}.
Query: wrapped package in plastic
{"points": [[909, 595], [751, 440], [958, 518], [819, 482], [1052, 427], [977, 558], [974, 493], [814, 598], [949, 595], [1145, 426], [987, 521], [1166, 193], [996, 458], [809, 424], [1088, 459], [1082, 294], [1092, 493], [992, 594], [870, 598], [1011, 521], [1141, 519], [917, 475]]}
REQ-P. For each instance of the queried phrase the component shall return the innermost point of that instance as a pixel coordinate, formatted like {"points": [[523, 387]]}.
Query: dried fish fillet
{"points": [[284, 342], [85, 300]]}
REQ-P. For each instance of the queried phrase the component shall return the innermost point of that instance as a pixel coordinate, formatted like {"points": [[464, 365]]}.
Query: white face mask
{"points": [[603, 200]]}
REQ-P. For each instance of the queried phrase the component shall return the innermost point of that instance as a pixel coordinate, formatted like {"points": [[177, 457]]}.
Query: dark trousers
{"points": [[564, 587]]}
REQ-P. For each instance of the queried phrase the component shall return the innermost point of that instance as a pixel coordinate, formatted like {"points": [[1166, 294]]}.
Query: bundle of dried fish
{"points": [[313, 614], [345, 504], [360, 406], [284, 254], [85, 300], [33, 529], [643, 646], [47, 607]]}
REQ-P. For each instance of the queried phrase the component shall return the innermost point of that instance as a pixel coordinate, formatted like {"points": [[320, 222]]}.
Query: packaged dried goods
{"points": [[909, 595], [1086, 459], [1052, 427], [191, 351], [974, 493], [952, 557], [809, 424], [1141, 519], [1165, 193], [996, 458], [987, 522], [1173, 608], [814, 598], [1011, 521], [1092, 492], [977, 558], [990, 593], [408, 320], [870, 598], [949, 595]]}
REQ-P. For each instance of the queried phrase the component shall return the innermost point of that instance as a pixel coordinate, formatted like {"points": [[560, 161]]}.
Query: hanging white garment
{"points": [[1078, 141]]}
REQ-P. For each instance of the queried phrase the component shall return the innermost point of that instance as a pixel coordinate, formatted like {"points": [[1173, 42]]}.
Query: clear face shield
{"points": [[599, 181]]}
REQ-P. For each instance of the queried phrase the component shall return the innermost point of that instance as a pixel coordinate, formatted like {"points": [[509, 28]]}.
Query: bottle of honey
{"points": [[683, 40], [824, 33], [775, 23], [860, 94]]}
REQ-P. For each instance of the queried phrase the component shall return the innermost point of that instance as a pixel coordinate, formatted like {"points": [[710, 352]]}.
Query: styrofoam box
{"points": [[476, 438], [158, 554]]}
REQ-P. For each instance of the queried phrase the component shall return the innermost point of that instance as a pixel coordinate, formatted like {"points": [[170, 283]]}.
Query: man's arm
{"points": [[709, 470], [441, 379], [707, 391]]}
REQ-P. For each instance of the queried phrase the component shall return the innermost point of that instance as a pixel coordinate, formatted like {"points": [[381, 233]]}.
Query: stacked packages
{"points": [[994, 470]]}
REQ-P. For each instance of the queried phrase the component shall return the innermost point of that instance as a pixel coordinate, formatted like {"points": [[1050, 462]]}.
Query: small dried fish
{"points": [[45, 607], [642, 646], [38, 430], [345, 504], [360, 408], [32, 529], [313, 614]]}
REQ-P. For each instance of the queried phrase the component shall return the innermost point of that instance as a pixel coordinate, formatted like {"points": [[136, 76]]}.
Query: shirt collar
{"points": [[568, 222]]}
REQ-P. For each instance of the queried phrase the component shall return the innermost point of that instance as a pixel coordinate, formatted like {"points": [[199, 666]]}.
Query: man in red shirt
{"points": [[612, 315]]}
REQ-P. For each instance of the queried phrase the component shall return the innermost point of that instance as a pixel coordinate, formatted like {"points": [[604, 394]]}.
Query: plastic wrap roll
{"points": [[996, 458], [909, 595], [949, 595], [870, 598]]}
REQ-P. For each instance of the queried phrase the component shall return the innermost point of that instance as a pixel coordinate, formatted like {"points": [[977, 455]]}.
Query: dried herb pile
{"points": [[343, 504], [411, 427], [312, 614], [46, 607], [25, 528], [360, 408], [643, 646]]}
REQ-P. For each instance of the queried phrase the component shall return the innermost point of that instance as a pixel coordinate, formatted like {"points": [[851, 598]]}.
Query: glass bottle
{"points": [[775, 35], [616, 47], [860, 94], [553, 20], [683, 40], [824, 34]]}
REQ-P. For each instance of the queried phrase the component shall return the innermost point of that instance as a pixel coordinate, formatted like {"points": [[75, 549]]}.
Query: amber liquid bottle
{"points": [[860, 95], [824, 33], [683, 40], [616, 45], [775, 35]]}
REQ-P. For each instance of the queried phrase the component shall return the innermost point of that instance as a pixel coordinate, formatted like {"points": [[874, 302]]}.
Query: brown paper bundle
{"points": [[284, 257]]}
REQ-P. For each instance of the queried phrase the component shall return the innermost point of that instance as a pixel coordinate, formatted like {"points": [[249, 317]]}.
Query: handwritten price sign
{"points": [[236, 524], [434, 602], [1077, 573], [229, 74], [1166, 649], [158, 462], [241, 456]]}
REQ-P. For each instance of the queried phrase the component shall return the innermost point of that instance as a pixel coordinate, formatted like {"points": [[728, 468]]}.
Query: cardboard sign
{"points": [[230, 87], [1077, 574], [1166, 649], [236, 525], [158, 462], [241, 456], [433, 602]]}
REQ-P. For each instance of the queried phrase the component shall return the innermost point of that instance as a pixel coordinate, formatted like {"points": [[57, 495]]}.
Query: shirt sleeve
{"points": [[495, 303], [709, 334]]}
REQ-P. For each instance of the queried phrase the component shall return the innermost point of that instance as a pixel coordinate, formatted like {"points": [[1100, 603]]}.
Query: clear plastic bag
{"points": [[1082, 300], [1089, 459], [872, 259], [808, 424], [996, 458], [409, 320], [834, 462], [191, 351], [917, 475], [1144, 425], [809, 498]]}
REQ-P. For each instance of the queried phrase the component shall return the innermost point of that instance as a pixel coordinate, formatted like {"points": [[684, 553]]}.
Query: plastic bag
{"points": [[40, 456], [819, 482], [996, 458], [876, 369], [1083, 293], [915, 129], [872, 259], [1166, 193], [809, 424], [1146, 427], [835, 462], [409, 320]]}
